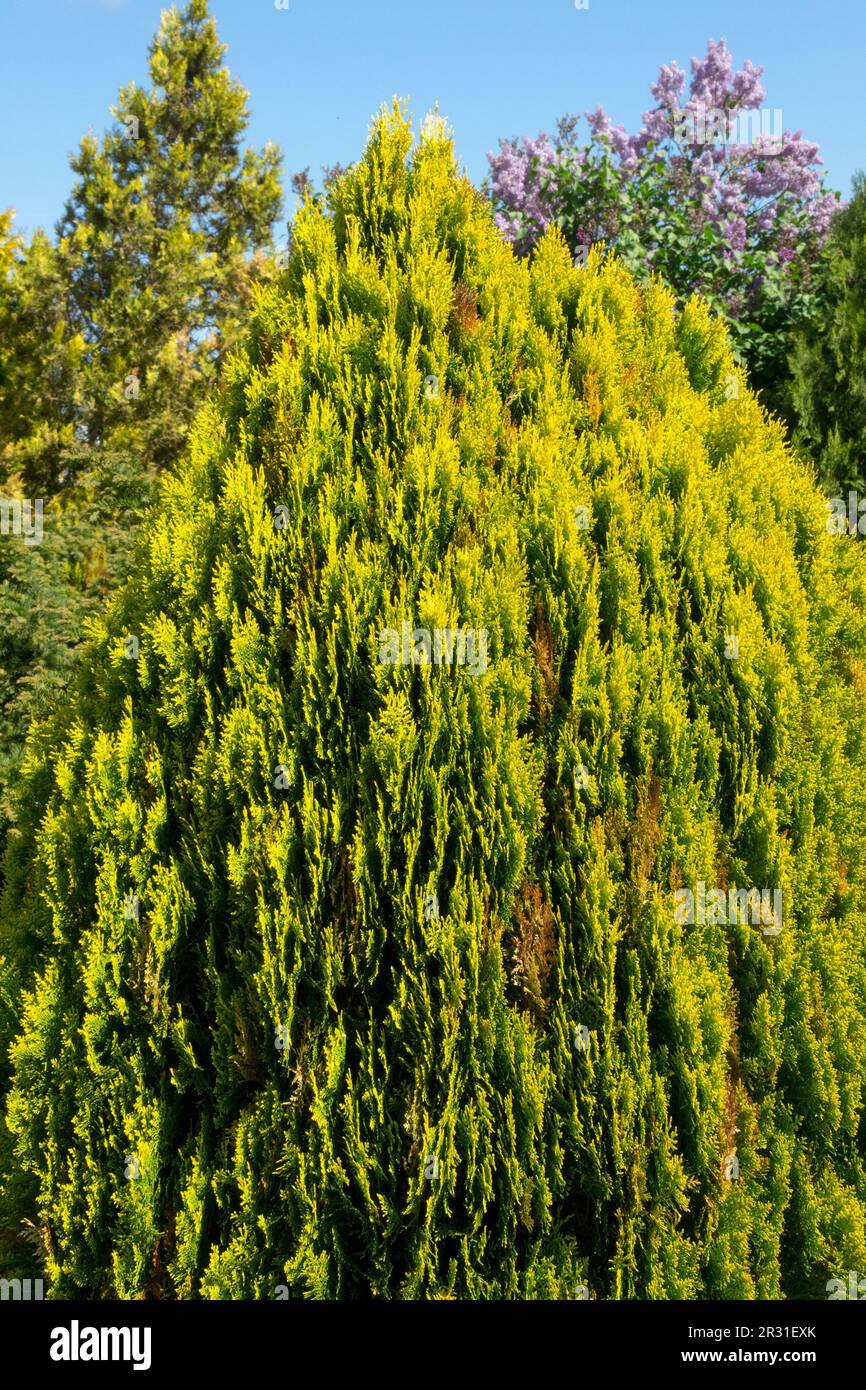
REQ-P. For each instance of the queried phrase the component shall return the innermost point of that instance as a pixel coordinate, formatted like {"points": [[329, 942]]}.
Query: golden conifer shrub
{"points": [[447, 880]]}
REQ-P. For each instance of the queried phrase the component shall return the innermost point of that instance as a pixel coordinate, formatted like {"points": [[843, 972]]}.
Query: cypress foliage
{"points": [[828, 387], [360, 976]]}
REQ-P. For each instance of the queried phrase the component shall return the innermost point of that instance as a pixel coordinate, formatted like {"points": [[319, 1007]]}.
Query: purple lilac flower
{"points": [[519, 185], [750, 193]]}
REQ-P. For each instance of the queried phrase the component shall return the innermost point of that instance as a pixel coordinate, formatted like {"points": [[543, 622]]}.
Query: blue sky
{"points": [[317, 72]]}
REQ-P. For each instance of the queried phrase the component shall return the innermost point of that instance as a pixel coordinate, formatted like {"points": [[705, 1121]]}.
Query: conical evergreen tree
{"points": [[489, 618], [159, 246]]}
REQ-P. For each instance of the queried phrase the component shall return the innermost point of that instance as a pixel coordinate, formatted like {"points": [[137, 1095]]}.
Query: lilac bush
{"points": [[741, 221]]}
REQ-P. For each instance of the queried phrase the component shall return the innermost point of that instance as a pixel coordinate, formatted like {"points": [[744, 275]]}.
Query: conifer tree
{"points": [[39, 361], [487, 619], [111, 339], [829, 386], [158, 247]]}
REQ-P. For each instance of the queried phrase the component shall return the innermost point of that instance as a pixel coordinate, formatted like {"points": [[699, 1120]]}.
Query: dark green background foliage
{"points": [[829, 386], [299, 903], [50, 590]]}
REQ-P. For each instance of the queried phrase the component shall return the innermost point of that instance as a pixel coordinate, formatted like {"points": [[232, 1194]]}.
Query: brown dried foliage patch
{"points": [[533, 949], [464, 314], [544, 661]]}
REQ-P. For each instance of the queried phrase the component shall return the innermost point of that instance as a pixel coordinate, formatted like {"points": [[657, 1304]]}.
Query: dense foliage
{"points": [[711, 193], [829, 389], [111, 339], [352, 972]]}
